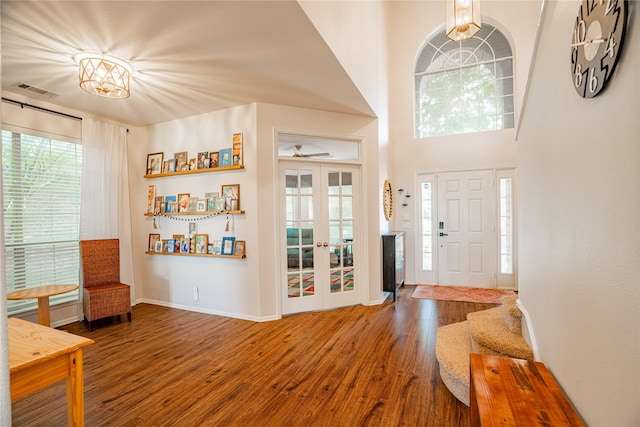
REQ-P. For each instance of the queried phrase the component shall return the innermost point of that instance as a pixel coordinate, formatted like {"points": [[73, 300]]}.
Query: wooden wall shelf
{"points": [[238, 212], [198, 255], [195, 171]]}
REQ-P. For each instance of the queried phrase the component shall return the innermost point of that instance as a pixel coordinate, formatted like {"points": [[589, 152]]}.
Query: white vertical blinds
{"points": [[42, 180]]}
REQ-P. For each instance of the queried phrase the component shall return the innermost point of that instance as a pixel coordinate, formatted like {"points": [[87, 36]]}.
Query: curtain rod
{"points": [[35, 107]]}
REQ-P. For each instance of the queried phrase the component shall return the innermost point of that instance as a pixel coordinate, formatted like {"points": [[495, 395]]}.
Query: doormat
{"points": [[458, 293]]}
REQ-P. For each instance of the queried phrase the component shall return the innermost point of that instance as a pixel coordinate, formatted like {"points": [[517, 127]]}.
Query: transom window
{"points": [[465, 86]]}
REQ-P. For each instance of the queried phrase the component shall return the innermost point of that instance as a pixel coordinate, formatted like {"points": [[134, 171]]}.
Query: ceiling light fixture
{"points": [[104, 76], [462, 18]]}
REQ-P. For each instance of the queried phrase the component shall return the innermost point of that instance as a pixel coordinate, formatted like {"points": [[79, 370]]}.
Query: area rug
{"points": [[457, 293]]}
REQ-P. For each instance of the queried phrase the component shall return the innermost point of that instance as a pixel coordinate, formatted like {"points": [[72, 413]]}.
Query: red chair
{"points": [[103, 295]]}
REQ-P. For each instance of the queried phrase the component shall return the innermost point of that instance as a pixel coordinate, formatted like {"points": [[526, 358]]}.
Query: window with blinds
{"points": [[42, 181]]}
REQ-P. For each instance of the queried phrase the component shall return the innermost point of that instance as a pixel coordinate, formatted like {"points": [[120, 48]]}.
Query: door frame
{"points": [[502, 281], [358, 230]]}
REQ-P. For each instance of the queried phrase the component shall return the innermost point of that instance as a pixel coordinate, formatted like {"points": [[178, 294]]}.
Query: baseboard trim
{"points": [[528, 327], [209, 311]]}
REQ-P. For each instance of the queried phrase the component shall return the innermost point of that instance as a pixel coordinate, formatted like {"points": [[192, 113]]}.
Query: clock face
{"points": [[596, 44]]}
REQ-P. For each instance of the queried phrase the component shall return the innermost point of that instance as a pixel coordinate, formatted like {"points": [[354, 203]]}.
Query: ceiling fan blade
{"points": [[316, 155]]}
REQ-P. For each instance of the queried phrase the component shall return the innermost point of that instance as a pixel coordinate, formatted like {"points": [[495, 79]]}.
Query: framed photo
{"points": [[183, 202], [165, 246], [225, 157], [202, 205], [157, 207], [202, 156], [159, 246], [213, 159], [165, 166], [210, 248], [153, 240], [220, 204], [181, 159], [217, 247], [192, 164], [185, 245], [231, 194], [151, 197], [227, 245], [154, 163], [201, 243], [238, 250], [193, 204], [170, 204], [211, 201], [236, 152], [171, 245], [172, 165], [193, 229]]}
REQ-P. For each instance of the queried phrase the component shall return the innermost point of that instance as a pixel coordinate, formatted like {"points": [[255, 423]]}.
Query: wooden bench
{"points": [[515, 392]]}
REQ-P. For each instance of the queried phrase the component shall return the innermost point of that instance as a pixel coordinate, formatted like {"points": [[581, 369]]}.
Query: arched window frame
{"points": [[447, 100]]}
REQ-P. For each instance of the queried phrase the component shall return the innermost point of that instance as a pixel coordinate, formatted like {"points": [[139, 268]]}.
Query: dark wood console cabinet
{"points": [[392, 262]]}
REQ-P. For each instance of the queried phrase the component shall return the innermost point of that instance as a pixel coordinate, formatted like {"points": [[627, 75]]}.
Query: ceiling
{"points": [[188, 57]]}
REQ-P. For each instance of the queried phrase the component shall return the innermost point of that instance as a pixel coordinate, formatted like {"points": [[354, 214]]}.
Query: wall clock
{"points": [[387, 199], [596, 43]]}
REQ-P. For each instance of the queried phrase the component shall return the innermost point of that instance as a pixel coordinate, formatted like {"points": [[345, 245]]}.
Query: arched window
{"points": [[465, 86]]}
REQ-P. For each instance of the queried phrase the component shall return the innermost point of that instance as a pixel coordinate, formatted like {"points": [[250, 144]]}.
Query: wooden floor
{"points": [[356, 366]]}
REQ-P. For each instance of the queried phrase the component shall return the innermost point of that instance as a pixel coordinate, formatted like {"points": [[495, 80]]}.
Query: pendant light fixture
{"points": [[462, 19], [104, 76]]}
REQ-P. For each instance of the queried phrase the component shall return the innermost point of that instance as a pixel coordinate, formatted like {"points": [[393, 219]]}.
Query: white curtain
{"points": [[104, 205]]}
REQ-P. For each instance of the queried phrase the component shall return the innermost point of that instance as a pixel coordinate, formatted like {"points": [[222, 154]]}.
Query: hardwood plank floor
{"points": [[354, 366]]}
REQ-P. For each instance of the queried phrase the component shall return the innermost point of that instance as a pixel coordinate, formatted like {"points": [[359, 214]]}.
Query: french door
{"points": [[319, 235]]}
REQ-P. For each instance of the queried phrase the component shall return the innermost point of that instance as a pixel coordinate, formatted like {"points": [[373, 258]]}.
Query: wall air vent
{"points": [[37, 90]]}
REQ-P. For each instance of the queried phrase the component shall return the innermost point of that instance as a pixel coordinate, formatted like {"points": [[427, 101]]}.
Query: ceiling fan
{"points": [[297, 152]]}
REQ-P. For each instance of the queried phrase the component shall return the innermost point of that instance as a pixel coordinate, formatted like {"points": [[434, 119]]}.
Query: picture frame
{"points": [[227, 245], [157, 206], [181, 159], [165, 245], [213, 159], [183, 202], [170, 204], [239, 248], [202, 156], [153, 240], [171, 245], [236, 149], [210, 199], [210, 248], [202, 205], [231, 192], [192, 164], [193, 204], [172, 165], [220, 204], [217, 247], [154, 163], [159, 246], [185, 245], [224, 158], [201, 243], [193, 229], [151, 197]]}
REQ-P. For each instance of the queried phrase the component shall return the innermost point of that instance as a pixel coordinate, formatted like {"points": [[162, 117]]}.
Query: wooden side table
{"points": [[515, 392], [40, 356], [42, 293]]}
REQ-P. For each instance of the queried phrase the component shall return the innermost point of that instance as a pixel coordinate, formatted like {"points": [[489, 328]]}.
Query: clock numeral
{"points": [[578, 75], [579, 31], [611, 46], [593, 80]]}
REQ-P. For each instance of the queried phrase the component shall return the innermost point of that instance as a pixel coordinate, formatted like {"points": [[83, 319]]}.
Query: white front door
{"points": [[465, 229], [318, 235]]}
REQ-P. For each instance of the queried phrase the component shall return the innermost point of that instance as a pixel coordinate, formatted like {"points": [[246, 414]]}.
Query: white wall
{"points": [[246, 288], [578, 168], [411, 24]]}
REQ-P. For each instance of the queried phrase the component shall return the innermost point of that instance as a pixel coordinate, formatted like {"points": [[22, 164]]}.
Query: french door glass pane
{"points": [[506, 226], [300, 230]]}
